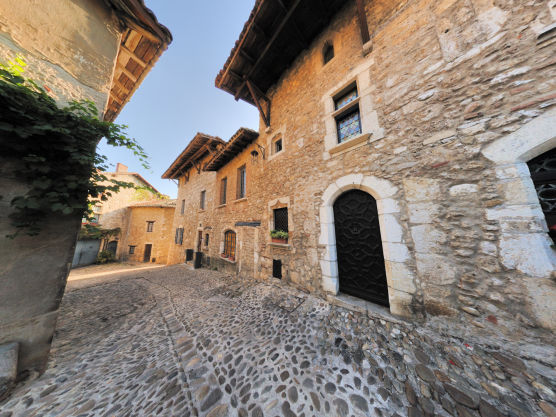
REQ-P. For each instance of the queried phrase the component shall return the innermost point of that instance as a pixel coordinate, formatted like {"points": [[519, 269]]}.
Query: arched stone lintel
{"points": [[529, 253], [399, 277]]}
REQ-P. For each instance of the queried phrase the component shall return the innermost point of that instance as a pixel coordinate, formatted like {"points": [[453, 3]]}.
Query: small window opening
{"points": [[150, 226], [278, 146], [277, 268], [131, 250], [327, 52], [281, 219]]}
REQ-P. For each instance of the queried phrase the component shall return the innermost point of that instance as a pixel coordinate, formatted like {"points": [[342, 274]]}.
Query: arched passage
{"points": [[361, 268]]}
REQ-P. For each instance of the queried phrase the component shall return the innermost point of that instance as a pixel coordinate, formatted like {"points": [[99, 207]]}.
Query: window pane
{"points": [[230, 243], [203, 193], [223, 186], [345, 99], [278, 146], [348, 126], [241, 184], [281, 219], [182, 206], [543, 174]]}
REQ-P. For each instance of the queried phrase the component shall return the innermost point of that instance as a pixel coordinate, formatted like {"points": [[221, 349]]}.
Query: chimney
{"points": [[121, 167]]}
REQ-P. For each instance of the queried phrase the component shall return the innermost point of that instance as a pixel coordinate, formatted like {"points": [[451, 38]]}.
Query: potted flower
{"points": [[279, 236]]}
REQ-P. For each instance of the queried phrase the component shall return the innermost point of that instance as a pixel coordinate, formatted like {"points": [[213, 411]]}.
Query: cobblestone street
{"points": [[176, 342]]}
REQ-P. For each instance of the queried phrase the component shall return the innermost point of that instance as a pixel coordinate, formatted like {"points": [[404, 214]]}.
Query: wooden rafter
{"points": [[132, 55], [300, 37], [268, 46], [127, 72], [265, 116], [362, 17]]}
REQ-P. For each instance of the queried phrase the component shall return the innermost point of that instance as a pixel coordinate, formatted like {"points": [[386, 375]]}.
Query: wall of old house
{"points": [[69, 46], [463, 235], [134, 233], [193, 217]]}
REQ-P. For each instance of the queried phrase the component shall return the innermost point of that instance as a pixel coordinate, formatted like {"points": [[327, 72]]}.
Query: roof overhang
{"points": [[241, 139], [275, 34], [143, 41], [199, 147]]}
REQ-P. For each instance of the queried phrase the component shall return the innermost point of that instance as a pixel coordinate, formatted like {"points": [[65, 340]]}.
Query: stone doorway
{"points": [[361, 266], [148, 250]]}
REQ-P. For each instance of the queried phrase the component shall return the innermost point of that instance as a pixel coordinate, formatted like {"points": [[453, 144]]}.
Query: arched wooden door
{"points": [[112, 247], [359, 247]]}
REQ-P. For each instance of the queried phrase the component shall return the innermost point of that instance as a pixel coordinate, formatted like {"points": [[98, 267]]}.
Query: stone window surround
{"points": [[370, 128], [396, 253], [527, 252], [282, 202], [278, 134], [222, 237]]}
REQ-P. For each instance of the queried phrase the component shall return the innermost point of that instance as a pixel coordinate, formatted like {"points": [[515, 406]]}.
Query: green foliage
{"points": [[105, 257], [53, 150], [89, 231], [279, 234]]}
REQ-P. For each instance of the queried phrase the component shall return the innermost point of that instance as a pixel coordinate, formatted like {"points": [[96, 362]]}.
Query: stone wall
{"points": [[443, 81], [135, 234], [70, 47], [448, 91]]}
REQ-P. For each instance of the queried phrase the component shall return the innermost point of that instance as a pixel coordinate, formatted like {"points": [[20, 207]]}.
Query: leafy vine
{"points": [[53, 150]]}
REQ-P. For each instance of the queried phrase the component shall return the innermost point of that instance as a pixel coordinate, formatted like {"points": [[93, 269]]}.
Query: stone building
{"points": [[407, 147], [84, 49], [113, 213], [144, 235]]}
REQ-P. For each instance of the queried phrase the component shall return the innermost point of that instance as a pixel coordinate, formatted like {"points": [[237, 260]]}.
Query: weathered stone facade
{"points": [[136, 232], [73, 50], [454, 98]]}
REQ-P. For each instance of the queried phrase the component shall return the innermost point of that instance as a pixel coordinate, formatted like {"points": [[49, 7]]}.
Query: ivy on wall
{"points": [[53, 150]]}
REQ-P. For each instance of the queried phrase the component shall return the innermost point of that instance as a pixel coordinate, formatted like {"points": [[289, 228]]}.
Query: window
{"points": [[178, 238], [182, 207], [327, 52], [241, 182], [150, 226], [281, 219], [206, 240], [96, 218], [203, 197], [131, 250], [348, 122], [223, 185], [277, 146], [230, 243], [543, 174]]}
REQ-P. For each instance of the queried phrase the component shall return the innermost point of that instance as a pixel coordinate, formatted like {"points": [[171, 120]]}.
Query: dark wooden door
{"points": [[359, 247], [147, 255], [112, 247], [199, 241]]}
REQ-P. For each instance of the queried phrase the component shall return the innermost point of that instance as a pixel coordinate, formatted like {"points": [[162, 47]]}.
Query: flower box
{"points": [[280, 240]]}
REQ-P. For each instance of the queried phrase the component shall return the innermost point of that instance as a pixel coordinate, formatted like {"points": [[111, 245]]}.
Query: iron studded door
{"points": [[359, 247]]}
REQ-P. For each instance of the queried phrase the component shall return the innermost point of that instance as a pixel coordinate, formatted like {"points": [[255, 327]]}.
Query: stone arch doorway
{"points": [[112, 247], [361, 267]]}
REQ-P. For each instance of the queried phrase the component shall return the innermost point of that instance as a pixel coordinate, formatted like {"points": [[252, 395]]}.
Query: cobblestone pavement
{"points": [[177, 342]]}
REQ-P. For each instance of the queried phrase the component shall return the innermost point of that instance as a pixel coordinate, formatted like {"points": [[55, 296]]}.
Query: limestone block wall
{"points": [[135, 234], [193, 218], [443, 82], [70, 47]]}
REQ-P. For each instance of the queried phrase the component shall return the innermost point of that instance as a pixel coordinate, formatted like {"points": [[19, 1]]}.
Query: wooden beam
{"points": [[300, 37], [127, 72], [269, 44], [362, 17], [133, 56], [266, 117], [247, 57], [115, 98], [122, 86]]}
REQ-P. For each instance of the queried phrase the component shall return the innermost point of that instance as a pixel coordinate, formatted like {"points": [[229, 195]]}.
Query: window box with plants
{"points": [[279, 236]]}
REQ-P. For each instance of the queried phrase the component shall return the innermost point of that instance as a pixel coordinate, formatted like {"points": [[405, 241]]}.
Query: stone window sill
{"points": [[240, 200], [280, 245], [227, 260], [352, 143], [201, 210], [372, 310], [221, 205]]}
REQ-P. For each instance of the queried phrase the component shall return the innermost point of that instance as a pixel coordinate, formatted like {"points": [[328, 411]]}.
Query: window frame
{"points": [[230, 243], [283, 210], [223, 190], [131, 250], [178, 237], [182, 211], [241, 187], [203, 198], [346, 110], [150, 226]]}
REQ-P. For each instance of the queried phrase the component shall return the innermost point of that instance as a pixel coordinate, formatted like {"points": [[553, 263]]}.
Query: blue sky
{"points": [[178, 97]]}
